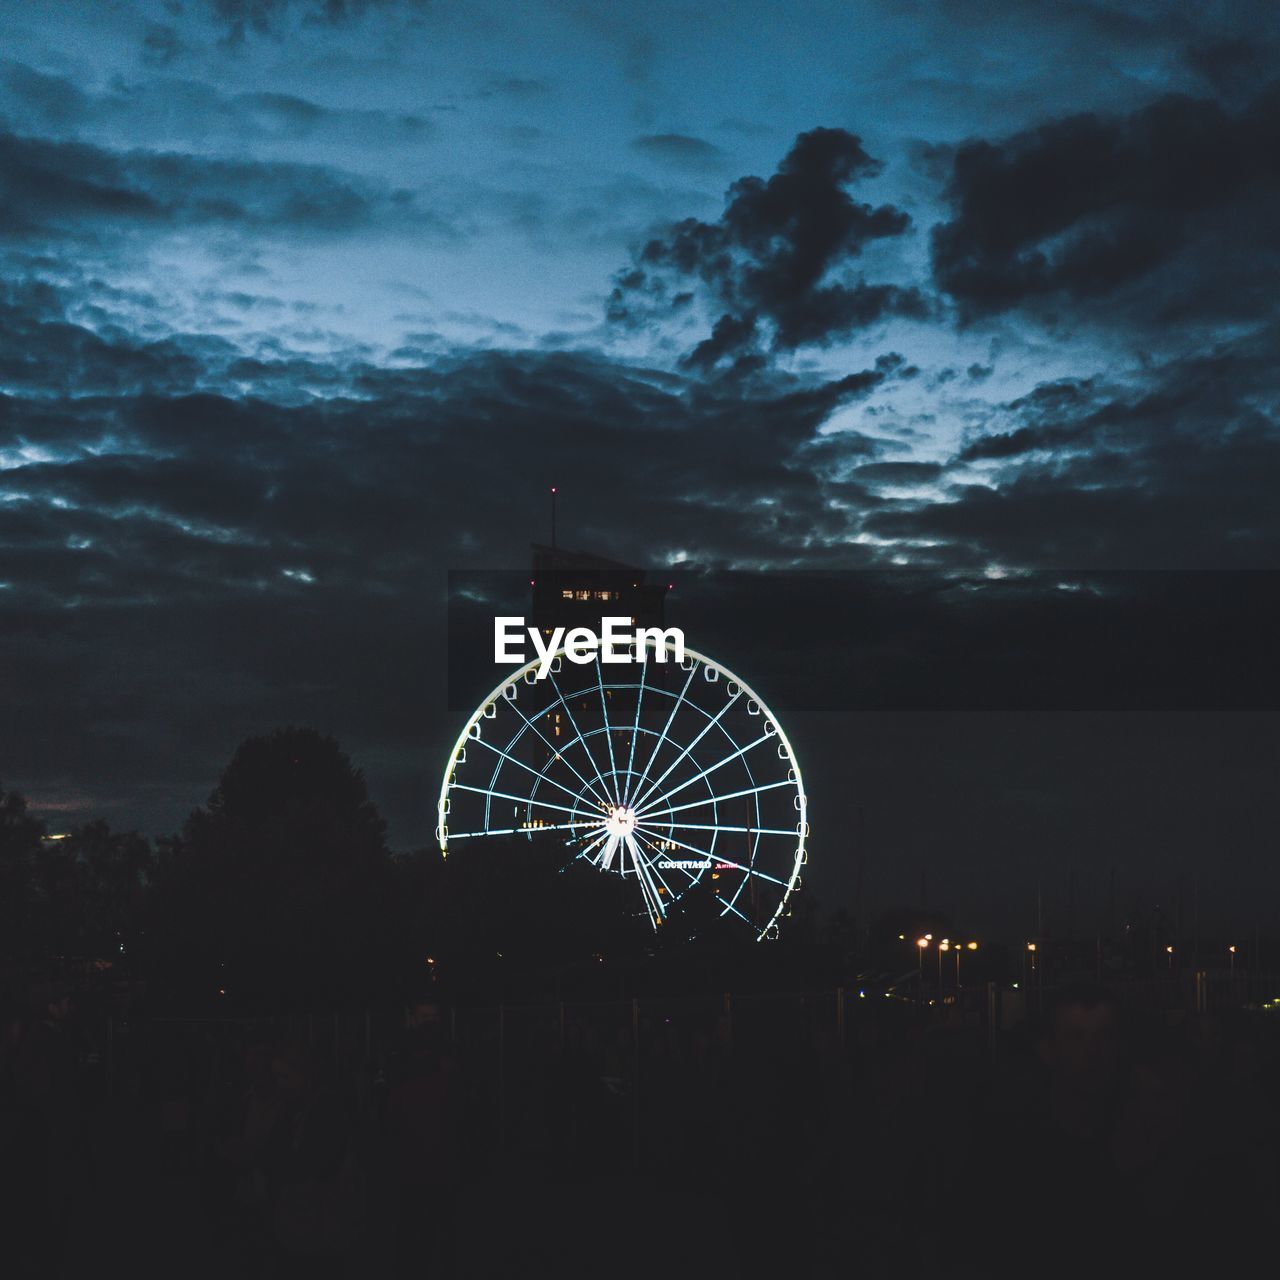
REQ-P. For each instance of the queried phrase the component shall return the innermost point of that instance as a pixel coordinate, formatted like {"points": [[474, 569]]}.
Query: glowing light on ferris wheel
{"points": [[679, 779]]}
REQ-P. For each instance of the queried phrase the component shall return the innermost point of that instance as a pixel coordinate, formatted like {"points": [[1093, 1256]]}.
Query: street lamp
{"points": [[1169, 951], [921, 944]]}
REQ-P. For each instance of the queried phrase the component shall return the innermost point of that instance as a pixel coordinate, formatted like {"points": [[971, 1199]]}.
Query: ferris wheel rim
{"points": [[693, 657]]}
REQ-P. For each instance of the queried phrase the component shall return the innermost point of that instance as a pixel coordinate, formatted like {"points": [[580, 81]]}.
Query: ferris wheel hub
{"points": [[620, 821]]}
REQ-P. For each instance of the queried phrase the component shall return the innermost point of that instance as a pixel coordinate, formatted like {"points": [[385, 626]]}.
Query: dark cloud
{"points": [[161, 46], [109, 425], [1080, 208], [240, 18], [48, 186], [46, 353], [898, 473], [1236, 66], [54, 101], [169, 109], [680, 150], [288, 116], [778, 259], [1179, 468]]}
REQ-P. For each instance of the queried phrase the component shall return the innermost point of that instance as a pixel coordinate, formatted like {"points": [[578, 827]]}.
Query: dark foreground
{"points": [[665, 1140]]}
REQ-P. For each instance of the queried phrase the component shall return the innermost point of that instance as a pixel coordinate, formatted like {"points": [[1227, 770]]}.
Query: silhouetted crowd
{"points": [[661, 1140]]}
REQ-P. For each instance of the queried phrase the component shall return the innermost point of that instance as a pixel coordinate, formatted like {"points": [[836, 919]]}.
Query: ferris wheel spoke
{"points": [[710, 826], [716, 858], [651, 843], [606, 854], [666, 728], [605, 793], [719, 764], [556, 751], [635, 733], [653, 900], [653, 861], [541, 774], [694, 876], [706, 729], [715, 799], [506, 795], [518, 831], [608, 736], [589, 840], [589, 848], [650, 863], [728, 906]]}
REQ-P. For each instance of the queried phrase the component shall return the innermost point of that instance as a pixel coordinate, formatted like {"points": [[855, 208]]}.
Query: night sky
{"points": [[305, 304]]}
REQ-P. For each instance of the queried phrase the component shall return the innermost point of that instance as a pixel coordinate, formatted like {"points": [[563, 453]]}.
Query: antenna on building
{"points": [[553, 517]]}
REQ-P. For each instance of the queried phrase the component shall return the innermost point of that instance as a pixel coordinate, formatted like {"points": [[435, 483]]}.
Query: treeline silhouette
{"points": [[280, 894]]}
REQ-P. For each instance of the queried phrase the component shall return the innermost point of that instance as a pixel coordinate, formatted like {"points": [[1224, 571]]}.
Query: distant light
{"points": [[553, 488], [1031, 946], [902, 937], [973, 946], [922, 942], [1169, 950], [1232, 948], [944, 945]]}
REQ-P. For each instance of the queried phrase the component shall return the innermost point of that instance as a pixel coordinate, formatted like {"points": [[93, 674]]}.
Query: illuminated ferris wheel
{"points": [[673, 775]]}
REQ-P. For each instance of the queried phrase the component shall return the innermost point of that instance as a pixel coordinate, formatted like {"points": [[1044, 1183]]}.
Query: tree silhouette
{"points": [[20, 834], [280, 891]]}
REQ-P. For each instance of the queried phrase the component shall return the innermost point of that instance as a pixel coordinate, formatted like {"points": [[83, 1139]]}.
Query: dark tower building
{"points": [[574, 589]]}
